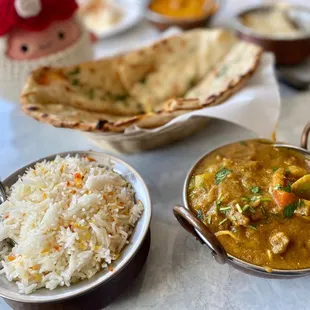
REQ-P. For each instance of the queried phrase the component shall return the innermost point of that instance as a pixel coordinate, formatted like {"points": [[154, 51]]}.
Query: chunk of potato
{"points": [[199, 180], [297, 171]]}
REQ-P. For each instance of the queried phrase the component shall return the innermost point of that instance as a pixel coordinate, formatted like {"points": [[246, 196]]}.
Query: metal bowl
{"points": [[162, 22], [198, 229], [9, 290], [288, 51]]}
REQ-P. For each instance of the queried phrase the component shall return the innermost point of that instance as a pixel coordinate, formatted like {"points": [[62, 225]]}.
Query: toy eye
{"points": [[61, 35], [24, 48]]}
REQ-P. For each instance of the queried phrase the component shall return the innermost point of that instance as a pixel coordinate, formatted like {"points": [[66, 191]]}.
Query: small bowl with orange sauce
{"points": [[184, 14]]}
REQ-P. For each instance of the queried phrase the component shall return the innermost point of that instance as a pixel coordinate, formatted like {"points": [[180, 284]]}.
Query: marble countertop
{"points": [[179, 273]]}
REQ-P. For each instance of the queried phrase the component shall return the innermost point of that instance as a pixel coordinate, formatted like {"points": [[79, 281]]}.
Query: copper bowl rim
{"points": [[249, 32]]}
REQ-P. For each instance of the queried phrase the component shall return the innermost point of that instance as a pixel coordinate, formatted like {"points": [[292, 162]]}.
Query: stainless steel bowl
{"points": [[9, 289], [198, 229]]}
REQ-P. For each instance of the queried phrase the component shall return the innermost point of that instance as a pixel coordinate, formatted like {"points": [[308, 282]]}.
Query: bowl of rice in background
{"points": [[92, 175]]}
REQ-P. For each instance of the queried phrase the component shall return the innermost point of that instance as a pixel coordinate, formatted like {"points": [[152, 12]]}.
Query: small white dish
{"points": [[131, 11]]}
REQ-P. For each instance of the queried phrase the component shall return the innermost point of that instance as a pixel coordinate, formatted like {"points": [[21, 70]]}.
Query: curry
{"points": [[183, 8], [243, 193]]}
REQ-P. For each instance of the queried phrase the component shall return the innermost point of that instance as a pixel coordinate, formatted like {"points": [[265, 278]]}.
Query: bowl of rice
{"points": [[71, 222]]}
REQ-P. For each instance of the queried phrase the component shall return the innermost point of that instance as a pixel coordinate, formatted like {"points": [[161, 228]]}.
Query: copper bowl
{"points": [[200, 231], [288, 51], [162, 22]]}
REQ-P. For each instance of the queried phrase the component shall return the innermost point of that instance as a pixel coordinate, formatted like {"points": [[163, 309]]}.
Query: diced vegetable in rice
{"points": [[69, 218]]}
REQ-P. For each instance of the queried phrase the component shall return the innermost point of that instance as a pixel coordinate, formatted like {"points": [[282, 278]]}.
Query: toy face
{"points": [[23, 44]]}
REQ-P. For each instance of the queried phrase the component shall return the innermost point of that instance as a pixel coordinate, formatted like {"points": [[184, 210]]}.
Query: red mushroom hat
{"points": [[33, 15]]}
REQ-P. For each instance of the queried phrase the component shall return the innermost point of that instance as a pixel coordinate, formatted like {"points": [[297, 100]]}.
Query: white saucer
{"points": [[132, 13]]}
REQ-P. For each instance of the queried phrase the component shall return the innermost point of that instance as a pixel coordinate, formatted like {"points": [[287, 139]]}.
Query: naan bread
{"points": [[236, 67], [92, 86], [147, 87], [170, 67], [65, 116], [213, 46]]}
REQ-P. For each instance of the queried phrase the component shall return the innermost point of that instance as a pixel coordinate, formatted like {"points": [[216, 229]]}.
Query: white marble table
{"points": [[179, 273]]}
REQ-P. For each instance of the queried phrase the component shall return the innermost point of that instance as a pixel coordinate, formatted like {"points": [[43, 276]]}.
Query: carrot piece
{"points": [[77, 175], [283, 198]]}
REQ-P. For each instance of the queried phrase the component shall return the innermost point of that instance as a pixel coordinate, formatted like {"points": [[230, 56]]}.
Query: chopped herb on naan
{"points": [[147, 87]]}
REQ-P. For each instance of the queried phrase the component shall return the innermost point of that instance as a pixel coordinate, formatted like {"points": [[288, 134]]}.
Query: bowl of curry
{"points": [[181, 13], [249, 201]]}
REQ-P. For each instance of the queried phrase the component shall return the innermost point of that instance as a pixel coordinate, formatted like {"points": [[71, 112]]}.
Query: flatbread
{"points": [[92, 86], [69, 117], [213, 46], [170, 67], [228, 74], [166, 69], [147, 87]]}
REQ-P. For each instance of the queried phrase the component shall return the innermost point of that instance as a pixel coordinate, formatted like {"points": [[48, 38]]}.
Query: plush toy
{"points": [[36, 33]]}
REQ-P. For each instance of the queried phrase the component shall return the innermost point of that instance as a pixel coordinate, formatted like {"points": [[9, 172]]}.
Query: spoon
{"points": [[292, 81]]}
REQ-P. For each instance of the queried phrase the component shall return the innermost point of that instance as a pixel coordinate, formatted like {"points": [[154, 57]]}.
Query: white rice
{"points": [[69, 218]]}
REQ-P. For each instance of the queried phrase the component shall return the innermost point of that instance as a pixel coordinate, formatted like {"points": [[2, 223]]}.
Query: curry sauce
{"points": [[183, 8], [242, 192]]}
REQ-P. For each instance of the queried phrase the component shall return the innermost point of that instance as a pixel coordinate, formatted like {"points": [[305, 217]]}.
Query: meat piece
{"points": [[237, 218], [258, 215], [279, 242]]}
